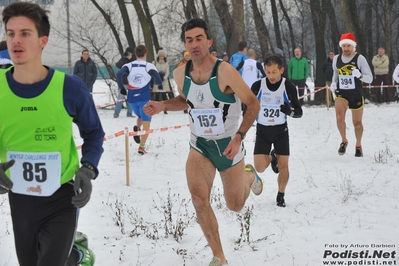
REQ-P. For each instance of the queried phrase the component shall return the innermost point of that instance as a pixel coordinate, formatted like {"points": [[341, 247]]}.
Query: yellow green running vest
{"points": [[37, 133]]}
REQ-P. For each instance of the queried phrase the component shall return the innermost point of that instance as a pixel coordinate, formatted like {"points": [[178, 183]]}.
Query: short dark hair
{"points": [[140, 50], [84, 50], [30, 10], [194, 23], [273, 59], [3, 45], [242, 45]]}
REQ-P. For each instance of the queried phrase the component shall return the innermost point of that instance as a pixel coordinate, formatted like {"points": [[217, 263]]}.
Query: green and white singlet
{"points": [[213, 114]]}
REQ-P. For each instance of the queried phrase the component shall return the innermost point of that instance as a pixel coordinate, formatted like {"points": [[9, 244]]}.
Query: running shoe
{"points": [[257, 185], [142, 151], [81, 244], [342, 148], [136, 138], [359, 152], [280, 200], [216, 261], [274, 161]]}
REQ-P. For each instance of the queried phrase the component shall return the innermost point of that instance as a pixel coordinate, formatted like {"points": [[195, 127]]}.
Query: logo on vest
{"points": [[28, 108], [34, 190]]}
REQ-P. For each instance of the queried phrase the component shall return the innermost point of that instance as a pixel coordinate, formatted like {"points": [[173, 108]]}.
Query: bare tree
{"points": [[261, 29], [319, 25], [351, 21], [146, 28], [276, 24], [227, 21], [151, 24], [289, 25], [238, 15], [110, 23]]}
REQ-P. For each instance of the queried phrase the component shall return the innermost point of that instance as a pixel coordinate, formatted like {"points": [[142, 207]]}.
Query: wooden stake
{"points": [[127, 156], [328, 97]]}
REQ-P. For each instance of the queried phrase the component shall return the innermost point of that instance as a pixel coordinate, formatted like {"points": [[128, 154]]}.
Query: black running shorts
{"points": [[268, 135]]}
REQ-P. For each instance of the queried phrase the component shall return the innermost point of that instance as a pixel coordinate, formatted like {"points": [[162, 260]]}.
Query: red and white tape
{"points": [[139, 133]]}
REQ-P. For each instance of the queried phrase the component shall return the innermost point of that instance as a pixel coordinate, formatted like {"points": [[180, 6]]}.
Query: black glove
{"points": [[5, 182], [160, 87], [82, 186], [123, 91], [286, 109]]}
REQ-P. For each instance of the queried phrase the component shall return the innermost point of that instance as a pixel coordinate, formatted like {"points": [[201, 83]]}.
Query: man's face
{"points": [[196, 43], [347, 49], [381, 52], [331, 55], [85, 55], [298, 53], [273, 73], [214, 53], [23, 41]]}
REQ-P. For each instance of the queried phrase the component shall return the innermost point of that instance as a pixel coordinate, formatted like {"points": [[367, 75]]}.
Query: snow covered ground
{"points": [[340, 209]]}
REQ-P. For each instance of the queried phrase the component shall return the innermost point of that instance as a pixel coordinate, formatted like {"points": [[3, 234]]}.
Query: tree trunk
{"points": [[238, 15], [351, 21], [127, 27], [145, 26], [222, 9], [368, 28], [334, 34], [388, 34], [261, 29], [276, 24], [319, 26], [290, 28], [151, 24], [107, 18]]}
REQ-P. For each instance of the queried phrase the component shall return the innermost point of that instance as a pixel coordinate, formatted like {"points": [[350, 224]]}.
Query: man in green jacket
{"points": [[298, 71]]}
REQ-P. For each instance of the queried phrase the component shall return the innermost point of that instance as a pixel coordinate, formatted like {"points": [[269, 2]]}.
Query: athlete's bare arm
{"points": [[176, 104]]}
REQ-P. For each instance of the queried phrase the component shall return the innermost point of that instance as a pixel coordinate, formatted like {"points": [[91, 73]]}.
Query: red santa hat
{"points": [[347, 38]]}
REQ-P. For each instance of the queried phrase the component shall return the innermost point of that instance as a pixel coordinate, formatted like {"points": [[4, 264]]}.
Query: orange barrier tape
{"points": [[310, 93], [138, 133], [162, 129]]}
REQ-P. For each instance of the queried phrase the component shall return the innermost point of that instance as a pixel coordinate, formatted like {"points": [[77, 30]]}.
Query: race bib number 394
{"points": [[208, 122], [35, 173]]}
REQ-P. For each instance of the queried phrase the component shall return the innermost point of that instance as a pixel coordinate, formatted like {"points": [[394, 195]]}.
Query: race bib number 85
{"points": [[35, 173]]}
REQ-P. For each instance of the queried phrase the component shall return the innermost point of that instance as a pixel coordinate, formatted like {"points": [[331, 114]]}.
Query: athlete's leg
{"points": [[236, 185], [146, 126], [261, 162], [284, 173], [200, 176], [341, 105], [357, 116]]}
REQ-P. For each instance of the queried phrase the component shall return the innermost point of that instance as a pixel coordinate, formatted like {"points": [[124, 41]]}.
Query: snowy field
{"points": [[341, 210]]}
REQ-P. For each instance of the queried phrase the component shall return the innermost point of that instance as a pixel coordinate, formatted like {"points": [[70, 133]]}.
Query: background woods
{"points": [[106, 28]]}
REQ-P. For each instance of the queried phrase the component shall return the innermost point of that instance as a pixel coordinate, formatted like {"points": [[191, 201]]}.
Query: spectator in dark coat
{"points": [[328, 69], [280, 54], [126, 58], [86, 69]]}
